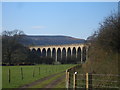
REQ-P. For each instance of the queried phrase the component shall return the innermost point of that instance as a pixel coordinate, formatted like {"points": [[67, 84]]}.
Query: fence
{"points": [[21, 73], [18, 74], [90, 81]]}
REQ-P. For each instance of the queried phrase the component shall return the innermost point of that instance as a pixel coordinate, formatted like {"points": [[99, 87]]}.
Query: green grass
{"points": [[43, 84], [16, 81], [61, 84]]}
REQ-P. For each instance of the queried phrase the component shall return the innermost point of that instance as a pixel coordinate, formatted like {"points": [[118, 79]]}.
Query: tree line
{"points": [[15, 53]]}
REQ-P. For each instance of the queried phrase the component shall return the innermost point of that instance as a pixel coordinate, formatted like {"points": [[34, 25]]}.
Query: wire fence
{"points": [[90, 80]]}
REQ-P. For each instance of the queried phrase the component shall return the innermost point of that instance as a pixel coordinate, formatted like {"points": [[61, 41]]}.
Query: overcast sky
{"points": [[76, 19]]}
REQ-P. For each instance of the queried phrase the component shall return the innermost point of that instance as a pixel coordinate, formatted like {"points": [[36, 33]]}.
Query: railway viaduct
{"points": [[63, 51]]}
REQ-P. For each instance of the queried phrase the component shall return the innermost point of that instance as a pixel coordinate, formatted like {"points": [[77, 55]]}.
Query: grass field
{"points": [[16, 78]]}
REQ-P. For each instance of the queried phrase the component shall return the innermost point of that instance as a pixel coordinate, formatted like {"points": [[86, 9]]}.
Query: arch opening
{"points": [[33, 50], [54, 53], [63, 56], [84, 54], [74, 53], [69, 55], [39, 52], [79, 54], [44, 52], [59, 54], [48, 53]]}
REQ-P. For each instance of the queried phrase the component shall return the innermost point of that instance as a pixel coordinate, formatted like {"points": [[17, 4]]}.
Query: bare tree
{"points": [[10, 44]]}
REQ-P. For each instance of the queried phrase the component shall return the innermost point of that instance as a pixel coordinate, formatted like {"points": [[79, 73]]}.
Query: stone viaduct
{"points": [[63, 51]]}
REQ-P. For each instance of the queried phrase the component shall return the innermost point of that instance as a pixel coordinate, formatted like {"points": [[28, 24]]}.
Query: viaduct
{"points": [[59, 52]]}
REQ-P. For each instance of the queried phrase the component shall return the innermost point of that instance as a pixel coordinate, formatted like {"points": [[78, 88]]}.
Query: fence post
{"points": [[74, 80], [33, 71], [88, 81], [22, 73], [67, 79], [39, 70], [9, 79]]}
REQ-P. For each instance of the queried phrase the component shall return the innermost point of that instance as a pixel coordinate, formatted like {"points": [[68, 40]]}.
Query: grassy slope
{"points": [[16, 80], [105, 63]]}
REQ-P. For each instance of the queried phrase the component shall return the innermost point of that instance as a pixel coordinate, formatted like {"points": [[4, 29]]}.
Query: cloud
{"points": [[38, 27]]}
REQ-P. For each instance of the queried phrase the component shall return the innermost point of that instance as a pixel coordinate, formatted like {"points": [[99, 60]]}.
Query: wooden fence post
{"points": [[33, 71], [9, 79], [66, 78], [88, 81], [46, 70], [74, 80], [39, 70], [22, 73]]}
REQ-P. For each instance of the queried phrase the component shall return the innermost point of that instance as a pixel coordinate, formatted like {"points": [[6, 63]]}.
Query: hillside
{"points": [[50, 40]]}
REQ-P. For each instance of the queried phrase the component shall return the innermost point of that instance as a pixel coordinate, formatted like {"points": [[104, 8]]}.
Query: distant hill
{"points": [[50, 40]]}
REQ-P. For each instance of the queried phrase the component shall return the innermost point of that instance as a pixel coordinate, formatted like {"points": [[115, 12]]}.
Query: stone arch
{"points": [[69, 53], [49, 52], [39, 51], [54, 54], [44, 52], [58, 54], [64, 54], [74, 52], [33, 50], [79, 54], [84, 54]]}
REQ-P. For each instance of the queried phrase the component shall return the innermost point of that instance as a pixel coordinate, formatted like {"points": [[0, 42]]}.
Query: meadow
{"points": [[30, 74]]}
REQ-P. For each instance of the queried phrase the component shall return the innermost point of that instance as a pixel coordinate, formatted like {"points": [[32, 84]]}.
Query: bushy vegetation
{"points": [[104, 51]]}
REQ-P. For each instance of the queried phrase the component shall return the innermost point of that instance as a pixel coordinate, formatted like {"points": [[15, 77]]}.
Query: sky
{"points": [[75, 19]]}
